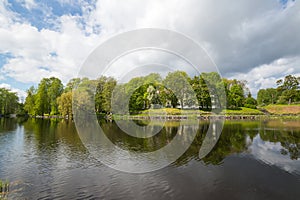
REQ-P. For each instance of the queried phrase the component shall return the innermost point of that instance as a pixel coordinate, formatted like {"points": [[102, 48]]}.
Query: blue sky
{"points": [[254, 40]]}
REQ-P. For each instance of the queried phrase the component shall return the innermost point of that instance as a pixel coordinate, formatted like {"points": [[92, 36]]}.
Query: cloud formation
{"points": [[248, 39]]}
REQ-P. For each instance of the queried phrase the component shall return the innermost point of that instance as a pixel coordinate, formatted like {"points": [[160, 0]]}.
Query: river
{"points": [[47, 159]]}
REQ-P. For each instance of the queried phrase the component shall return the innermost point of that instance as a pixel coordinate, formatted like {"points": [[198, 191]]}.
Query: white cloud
{"points": [[245, 37], [29, 4], [265, 76], [269, 153], [44, 53], [21, 94]]}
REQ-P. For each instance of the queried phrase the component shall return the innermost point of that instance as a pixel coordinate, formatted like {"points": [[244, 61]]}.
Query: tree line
{"points": [[286, 92], [9, 102], [176, 90], [140, 93]]}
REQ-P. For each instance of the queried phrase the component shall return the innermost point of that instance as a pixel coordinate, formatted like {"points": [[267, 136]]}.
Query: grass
{"points": [[4, 189], [275, 110], [283, 109], [176, 111], [243, 111], [172, 111]]}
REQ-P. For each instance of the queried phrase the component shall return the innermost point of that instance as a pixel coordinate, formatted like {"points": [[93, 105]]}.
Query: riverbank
{"points": [[267, 112], [177, 114], [283, 109]]}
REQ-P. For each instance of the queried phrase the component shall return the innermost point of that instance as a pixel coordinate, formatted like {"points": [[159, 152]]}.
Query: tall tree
{"points": [[178, 82], [65, 104], [54, 91], [8, 102], [29, 105], [288, 89], [104, 89], [267, 96], [202, 92]]}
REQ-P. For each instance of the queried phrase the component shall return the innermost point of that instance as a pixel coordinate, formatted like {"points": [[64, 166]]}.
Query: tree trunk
{"points": [[181, 103]]}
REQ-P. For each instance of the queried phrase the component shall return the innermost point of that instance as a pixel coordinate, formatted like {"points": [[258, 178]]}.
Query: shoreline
{"points": [[178, 117]]}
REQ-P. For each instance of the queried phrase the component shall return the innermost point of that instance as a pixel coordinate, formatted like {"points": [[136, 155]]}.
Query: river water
{"points": [[46, 159]]}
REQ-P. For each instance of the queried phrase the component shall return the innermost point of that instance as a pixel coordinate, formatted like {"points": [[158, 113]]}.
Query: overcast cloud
{"points": [[254, 40]]}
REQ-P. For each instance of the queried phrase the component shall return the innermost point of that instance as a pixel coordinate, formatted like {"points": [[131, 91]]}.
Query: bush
{"points": [[234, 108], [250, 106]]}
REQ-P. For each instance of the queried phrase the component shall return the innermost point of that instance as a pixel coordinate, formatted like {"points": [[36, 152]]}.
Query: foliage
{"points": [[204, 92], [8, 102], [289, 89], [178, 82], [250, 102], [65, 104], [235, 93], [104, 88], [267, 96], [200, 87], [283, 109], [287, 92], [42, 100], [243, 111], [4, 189]]}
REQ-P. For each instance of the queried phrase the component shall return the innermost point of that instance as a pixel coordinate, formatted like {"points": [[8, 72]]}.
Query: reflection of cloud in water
{"points": [[269, 153]]}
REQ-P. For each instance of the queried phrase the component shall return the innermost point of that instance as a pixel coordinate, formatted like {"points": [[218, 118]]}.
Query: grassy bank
{"points": [[243, 111], [270, 112], [283, 109]]}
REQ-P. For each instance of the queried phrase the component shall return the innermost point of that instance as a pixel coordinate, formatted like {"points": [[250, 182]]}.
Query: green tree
{"points": [[178, 82], [64, 103], [235, 92], [54, 91], [267, 96], [29, 105], [104, 89], [45, 98], [42, 103], [250, 102], [288, 89], [72, 84], [202, 92], [8, 102], [217, 89]]}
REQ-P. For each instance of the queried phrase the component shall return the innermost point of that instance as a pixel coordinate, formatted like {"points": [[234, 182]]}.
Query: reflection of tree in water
{"points": [[51, 134], [125, 141], [232, 140], [287, 137]]}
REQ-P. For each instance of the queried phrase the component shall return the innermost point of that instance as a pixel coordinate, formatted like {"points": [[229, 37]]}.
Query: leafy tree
{"points": [[42, 103], [288, 89], [8, 102], [65, 104], [54, 91], [83, 96], [72, 84], [178, 82], [29, 105], [216, 88], [235, 90], [250, 102], [105, 86], [267, 96], [202, 92]]}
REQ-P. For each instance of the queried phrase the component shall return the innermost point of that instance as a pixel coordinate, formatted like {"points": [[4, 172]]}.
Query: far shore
{"points": [[267, 112]]}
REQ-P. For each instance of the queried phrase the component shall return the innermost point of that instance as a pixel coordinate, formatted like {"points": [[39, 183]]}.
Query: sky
{"points": [[253, 40]]}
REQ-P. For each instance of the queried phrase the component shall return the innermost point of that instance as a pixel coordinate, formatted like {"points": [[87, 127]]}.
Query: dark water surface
{"points": [[45, 159]]}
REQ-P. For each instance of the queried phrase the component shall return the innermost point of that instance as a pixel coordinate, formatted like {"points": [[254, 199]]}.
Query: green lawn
{"points": [[243, 111], [173, 111], [176, 111], [283, 109]]}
